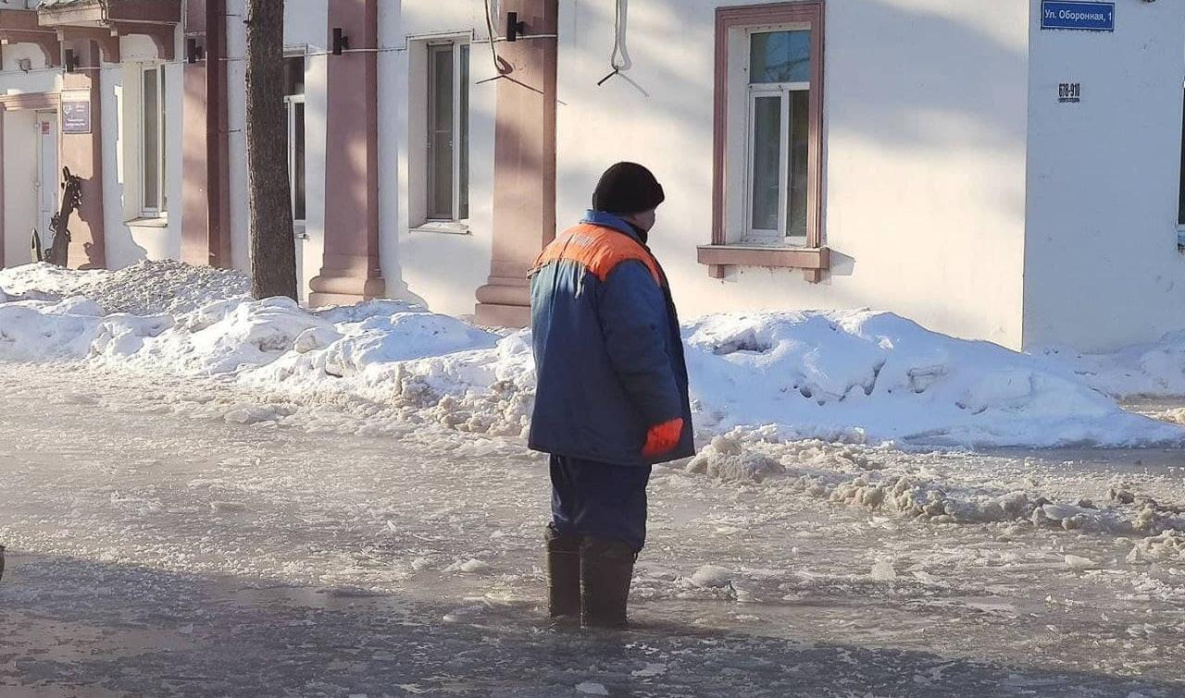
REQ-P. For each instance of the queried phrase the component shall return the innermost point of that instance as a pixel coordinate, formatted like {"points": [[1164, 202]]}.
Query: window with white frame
{"points": [[294, 105], [154, 199], [448, 132], [777, 135]]}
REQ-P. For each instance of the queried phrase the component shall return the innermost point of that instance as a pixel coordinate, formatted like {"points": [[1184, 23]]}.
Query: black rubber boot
{"points": [[563, 575], [606, 568]]}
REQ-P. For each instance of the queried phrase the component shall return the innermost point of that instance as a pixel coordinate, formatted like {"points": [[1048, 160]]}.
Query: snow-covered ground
{"points": [[855, 377], [175, 536]]}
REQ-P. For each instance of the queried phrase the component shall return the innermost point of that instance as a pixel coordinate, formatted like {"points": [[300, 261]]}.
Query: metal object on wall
{"points": [[59, 250]]}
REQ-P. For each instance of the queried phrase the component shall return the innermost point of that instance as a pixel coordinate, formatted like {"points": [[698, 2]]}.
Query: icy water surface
{"points": [[173, 539]]}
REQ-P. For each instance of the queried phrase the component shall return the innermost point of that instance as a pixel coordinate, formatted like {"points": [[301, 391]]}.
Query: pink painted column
{"points": [[205, 185], [524, 164], [83, 154], [2, 207], [350, 269]]}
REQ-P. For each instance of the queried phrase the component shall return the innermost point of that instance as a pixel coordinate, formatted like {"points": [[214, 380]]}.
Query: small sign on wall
{"points": [[1080, 16], [76, 111], [1069, 93]]}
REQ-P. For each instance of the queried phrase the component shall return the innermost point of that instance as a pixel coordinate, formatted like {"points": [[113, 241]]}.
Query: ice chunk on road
{"points": [[883, 571], [473, 566], [727, 459], [712, 577], [1076, 562]]}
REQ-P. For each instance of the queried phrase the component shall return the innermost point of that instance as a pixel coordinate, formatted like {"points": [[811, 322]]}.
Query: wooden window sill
{"points": [[813, 261]]}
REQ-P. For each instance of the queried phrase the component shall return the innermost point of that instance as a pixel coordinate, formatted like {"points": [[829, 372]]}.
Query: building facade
{"points": [[966, 165]]}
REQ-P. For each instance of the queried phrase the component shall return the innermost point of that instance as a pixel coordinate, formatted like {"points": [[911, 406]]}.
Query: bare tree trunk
{"points": [[273, 251]]}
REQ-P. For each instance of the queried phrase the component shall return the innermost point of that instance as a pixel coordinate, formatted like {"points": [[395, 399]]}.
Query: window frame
{"points": [[754, 91], [161, 210], [1181, 184], [290, 102], [732, 244], [461, 96]]}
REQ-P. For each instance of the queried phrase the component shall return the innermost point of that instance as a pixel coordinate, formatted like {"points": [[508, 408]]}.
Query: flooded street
{"points": [[190, 539]]}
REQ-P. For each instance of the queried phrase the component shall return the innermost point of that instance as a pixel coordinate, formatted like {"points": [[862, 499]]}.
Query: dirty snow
{"points": [[145, 288], [839, 376]]}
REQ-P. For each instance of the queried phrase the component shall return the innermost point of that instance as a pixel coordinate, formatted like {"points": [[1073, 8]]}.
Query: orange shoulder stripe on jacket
{"points": [[597, 249]]}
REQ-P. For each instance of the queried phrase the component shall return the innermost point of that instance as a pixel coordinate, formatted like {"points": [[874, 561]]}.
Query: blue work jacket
{"points": [[608, 350]]}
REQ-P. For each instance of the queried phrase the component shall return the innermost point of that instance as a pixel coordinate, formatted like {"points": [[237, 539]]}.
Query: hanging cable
{"points": [[493, 49], [619, 60]]}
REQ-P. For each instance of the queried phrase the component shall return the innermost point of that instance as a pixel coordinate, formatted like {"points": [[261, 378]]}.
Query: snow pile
{"points": [[37, 330], [1144, 370], [909, 496], [1169, 546], [726, 459], [225, 338], [146, 288], [166, 286], [879, 480], [854, 377], [866, 375], [48, 280]]}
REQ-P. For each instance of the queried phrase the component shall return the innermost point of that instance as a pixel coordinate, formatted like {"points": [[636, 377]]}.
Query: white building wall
{"points": [[20, 154], [441, 270], [306, 30], [20, 193], [129, 238], [120, 168], [236, 106], [1102, 268], [925, 112], [40, 78]]}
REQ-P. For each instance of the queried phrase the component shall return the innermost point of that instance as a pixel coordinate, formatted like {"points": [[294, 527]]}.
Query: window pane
{"points": [[294, 76], [440, 126], [164, 141], [800, 134], [150, 147], [463, 117], [298, 174], [767, 161], [1181, 204], [780, 57]]}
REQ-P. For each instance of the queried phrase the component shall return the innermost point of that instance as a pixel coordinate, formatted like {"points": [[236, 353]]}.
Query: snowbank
{"points": [[48, 279], [867, 375], [147, 288], [1155, 370], [37, 330], [843, 376]]}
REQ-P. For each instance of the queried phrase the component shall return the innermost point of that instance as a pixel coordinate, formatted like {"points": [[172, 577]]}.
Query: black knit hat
{"points": [[627, 188]]}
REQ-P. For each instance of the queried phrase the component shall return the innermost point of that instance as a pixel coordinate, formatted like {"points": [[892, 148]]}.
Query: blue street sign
{"points": [[1083, 16]]}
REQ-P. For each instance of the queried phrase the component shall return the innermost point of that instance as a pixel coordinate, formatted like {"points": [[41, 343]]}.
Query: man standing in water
{"points": [[612, 393]]}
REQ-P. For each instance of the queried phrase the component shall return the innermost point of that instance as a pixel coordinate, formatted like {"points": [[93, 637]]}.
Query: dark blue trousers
{"points": [[598, 499]]}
